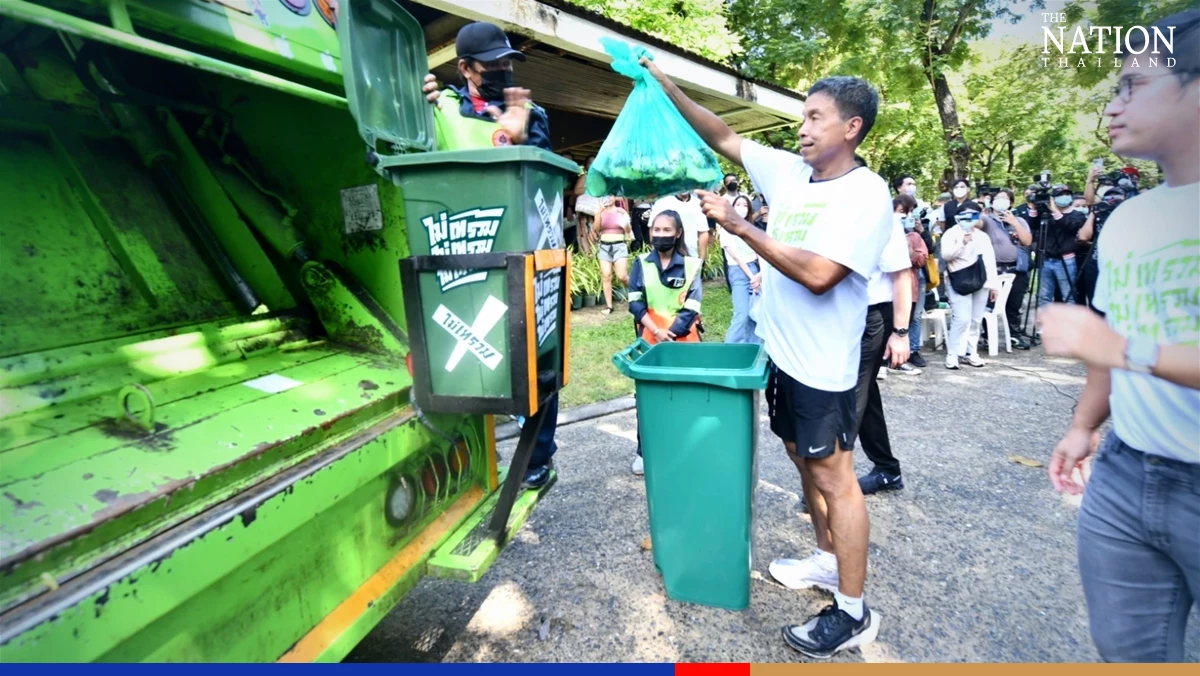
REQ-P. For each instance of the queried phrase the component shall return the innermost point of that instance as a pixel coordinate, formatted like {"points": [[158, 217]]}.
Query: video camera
{"points": [[1041, 193]]}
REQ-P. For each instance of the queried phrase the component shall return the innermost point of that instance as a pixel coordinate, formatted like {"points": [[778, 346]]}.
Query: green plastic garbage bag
{"points": [[651, 149]]}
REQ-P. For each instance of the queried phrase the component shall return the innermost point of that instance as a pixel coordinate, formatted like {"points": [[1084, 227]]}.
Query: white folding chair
{"points": [[934, 327], [997, 316]]}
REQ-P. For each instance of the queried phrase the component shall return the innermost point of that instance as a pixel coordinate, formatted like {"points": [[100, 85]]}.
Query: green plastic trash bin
{"points": [[697, 407], [464, 206], [486, 335]]}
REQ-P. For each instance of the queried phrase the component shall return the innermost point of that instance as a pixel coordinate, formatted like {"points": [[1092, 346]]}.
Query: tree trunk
{"points": [[957, 149], [1011, 160]]}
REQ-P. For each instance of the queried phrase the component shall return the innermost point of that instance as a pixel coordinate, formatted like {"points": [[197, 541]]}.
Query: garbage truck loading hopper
{"points": [[207, 448]]}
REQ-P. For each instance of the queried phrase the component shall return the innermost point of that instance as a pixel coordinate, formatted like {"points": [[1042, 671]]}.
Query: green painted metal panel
{"points": [[246, 580], [470, 551], [111, 482], [59, 268]]}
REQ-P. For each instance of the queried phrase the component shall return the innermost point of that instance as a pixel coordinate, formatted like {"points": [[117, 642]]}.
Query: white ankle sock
{"points": [[853, 607]]}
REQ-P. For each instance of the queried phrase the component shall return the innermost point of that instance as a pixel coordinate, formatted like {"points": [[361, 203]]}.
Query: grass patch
{"points": [[595, 338]]}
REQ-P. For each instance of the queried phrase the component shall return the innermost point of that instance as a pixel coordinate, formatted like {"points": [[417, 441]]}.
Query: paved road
{"points": [[973, 561]]}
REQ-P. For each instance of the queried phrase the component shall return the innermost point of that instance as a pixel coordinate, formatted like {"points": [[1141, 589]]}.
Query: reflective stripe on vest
{"points": [[664, 300], [458, 132]]}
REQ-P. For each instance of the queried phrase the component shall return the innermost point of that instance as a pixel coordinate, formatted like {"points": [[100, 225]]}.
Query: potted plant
{"points": [[577, 279]]}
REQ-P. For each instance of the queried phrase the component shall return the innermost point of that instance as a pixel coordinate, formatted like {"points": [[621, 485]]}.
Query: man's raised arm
{"points": [[718, 135]]}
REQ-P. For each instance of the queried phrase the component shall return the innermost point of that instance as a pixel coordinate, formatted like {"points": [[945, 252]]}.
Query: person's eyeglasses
{"points": [[1124, 88]]}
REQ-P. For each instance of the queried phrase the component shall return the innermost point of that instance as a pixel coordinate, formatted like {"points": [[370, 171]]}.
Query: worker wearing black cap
{"points": [[487, 110]]}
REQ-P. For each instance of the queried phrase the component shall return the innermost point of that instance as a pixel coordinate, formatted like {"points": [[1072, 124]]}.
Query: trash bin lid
{"points": [[383, 66]]}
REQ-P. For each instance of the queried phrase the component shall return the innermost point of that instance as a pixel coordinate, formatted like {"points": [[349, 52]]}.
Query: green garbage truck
{"points": [[226, 432]]}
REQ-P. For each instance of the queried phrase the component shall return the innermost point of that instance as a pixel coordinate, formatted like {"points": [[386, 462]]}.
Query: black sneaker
{"points": [[917, 360], [877, 481], [832, 631], [536, 477], [1020, 343]]}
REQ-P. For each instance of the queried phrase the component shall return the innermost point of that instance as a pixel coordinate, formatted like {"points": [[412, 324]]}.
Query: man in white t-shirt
{"points": [[830, 222], [695, 223], [1139, 524]]}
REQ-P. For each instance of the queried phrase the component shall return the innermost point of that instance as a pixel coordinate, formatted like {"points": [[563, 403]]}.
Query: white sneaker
{"points": [[952, 362], [882, 375], [639, 467], [805, 573], [974, 360]]}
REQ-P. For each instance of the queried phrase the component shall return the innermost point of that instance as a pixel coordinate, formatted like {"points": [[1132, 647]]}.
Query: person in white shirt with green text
{"points": [[830, 221], [1139, 524]]}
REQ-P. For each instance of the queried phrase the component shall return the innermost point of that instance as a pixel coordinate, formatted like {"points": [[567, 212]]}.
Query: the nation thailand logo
{"points": [[1087, 46]]}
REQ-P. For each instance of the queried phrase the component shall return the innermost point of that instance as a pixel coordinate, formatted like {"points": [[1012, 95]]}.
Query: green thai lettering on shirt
{"points": [[792, 228], [1157, 294]]}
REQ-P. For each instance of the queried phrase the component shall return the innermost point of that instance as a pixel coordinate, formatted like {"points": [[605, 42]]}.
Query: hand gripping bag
{"points": [[651, 149]]}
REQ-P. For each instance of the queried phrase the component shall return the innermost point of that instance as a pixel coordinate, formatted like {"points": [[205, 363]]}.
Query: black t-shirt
{"points": [[1062, 232], [953, 207], [1035, 223]]}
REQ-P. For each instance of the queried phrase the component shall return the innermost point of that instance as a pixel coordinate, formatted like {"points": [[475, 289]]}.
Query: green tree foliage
{"points": [[699, 26], [946, 111]]}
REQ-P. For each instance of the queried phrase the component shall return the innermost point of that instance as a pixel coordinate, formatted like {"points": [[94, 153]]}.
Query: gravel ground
{"points": [[973, 561]]}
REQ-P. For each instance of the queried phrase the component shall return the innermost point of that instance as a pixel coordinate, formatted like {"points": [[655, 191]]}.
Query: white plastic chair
{"points": [[934, 327], [997, 316]]}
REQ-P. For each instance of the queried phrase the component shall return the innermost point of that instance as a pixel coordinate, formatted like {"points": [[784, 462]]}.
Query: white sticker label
{"points": [[551, 237], [273, 383], [327, 60], [360, 209], [284, 48], [467, 232], [547, 286], [471, 338]]}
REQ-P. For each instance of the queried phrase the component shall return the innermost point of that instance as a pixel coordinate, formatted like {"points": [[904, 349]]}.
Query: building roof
{"points": [[568, 71]]}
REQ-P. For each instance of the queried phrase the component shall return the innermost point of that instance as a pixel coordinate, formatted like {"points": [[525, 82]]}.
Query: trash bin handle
{"points": [[624, 359]]}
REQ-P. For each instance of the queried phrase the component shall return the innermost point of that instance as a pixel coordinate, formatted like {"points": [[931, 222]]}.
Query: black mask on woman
{"points": [[663, 244], [494, 83]]}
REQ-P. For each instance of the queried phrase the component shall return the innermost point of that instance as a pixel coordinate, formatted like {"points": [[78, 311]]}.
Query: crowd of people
{"points": [[833, 284]]}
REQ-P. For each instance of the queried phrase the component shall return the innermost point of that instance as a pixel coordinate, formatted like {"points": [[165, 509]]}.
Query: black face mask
{"points": [[732, 186], [494, 83], [663, 244]]}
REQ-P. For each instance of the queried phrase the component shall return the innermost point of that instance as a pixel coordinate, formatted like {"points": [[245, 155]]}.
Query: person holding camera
{"points": [[1029, 210], [1089, 272], [1059, 269], [1010, 236]]}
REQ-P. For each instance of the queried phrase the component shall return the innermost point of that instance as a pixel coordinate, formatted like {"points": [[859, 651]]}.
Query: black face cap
{"points": [[485, 42]]}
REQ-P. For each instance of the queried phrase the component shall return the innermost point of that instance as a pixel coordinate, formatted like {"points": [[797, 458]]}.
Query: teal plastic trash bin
{"points": [[697, 407]]}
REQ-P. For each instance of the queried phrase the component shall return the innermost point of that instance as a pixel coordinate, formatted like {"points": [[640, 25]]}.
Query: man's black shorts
{"points": [[816, 420]]}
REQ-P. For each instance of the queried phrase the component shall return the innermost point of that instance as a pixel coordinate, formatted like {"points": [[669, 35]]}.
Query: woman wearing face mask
{"points": [[665, 290], [745, 279], [1011, 237], [961, 191], [962, 246]]}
